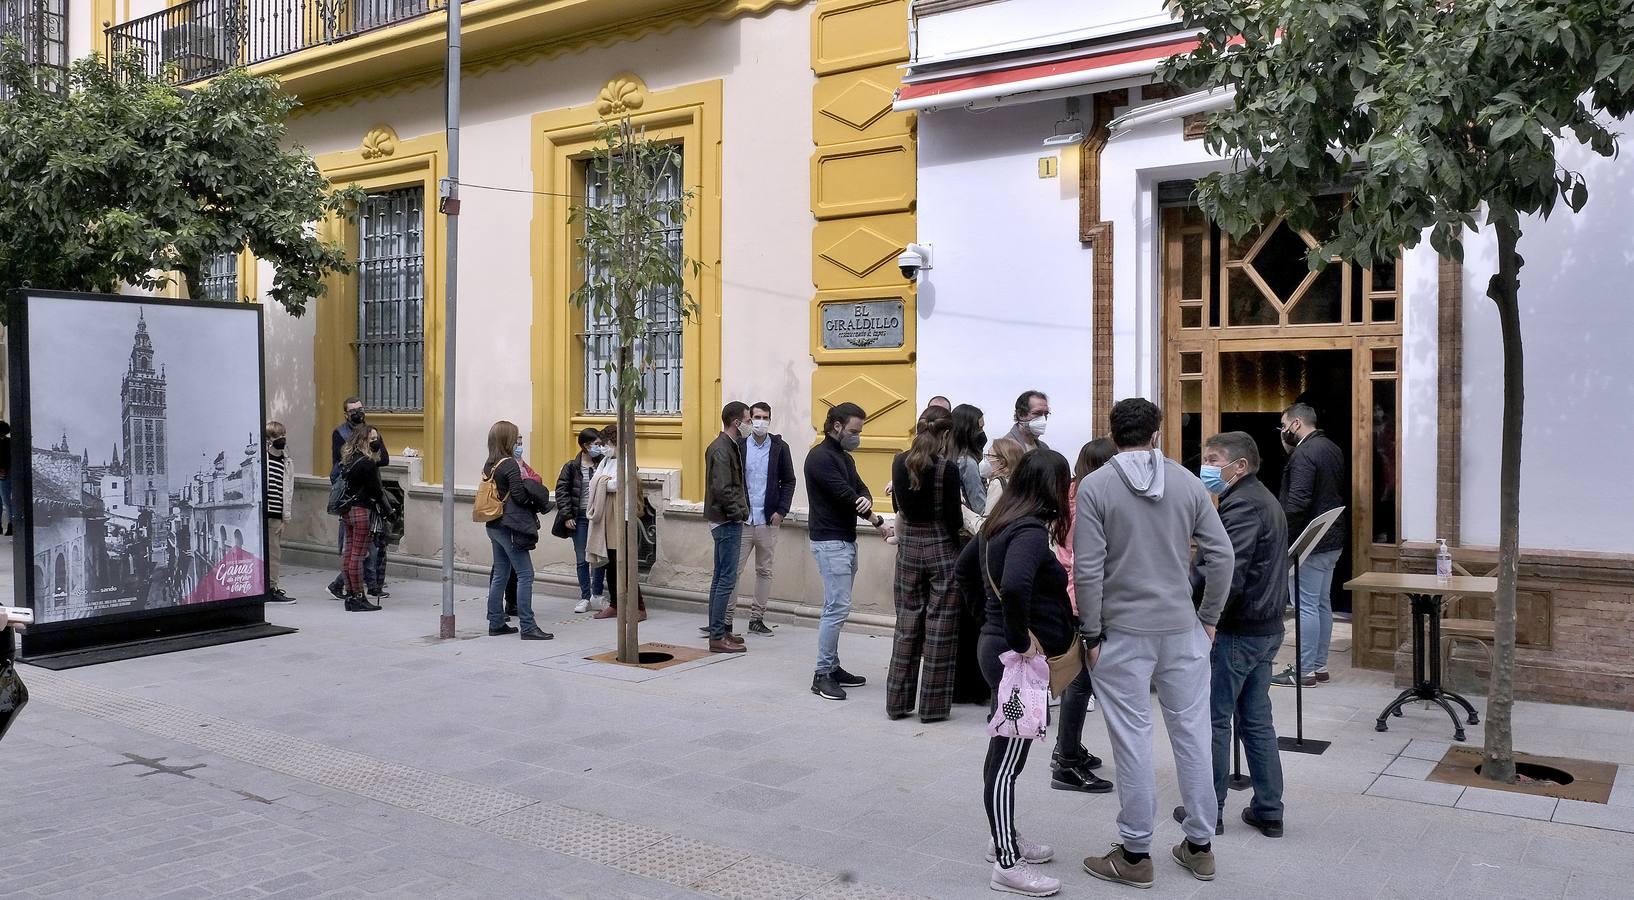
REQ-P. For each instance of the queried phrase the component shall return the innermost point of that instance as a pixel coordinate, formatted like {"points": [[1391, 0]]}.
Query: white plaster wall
{"points": [[1416, 447], [993, 26], [764, 63], [291, 377], [1006, 307], [1577, 322]]}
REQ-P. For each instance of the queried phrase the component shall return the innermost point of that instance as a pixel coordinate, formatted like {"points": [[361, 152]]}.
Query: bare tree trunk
{"points": [[629, 569], [1498, 762]]}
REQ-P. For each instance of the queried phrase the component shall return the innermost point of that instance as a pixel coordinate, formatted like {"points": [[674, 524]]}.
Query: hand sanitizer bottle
{"points": [[1443, 561]]}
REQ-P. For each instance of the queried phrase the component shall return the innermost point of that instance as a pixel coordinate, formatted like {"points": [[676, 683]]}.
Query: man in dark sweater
{"points": [[1249, 633], [1313, 482], [837, 499], [726, 506]]}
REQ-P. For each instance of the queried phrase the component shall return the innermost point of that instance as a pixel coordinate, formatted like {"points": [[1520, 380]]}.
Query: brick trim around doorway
{"points": [[1449, 421]]}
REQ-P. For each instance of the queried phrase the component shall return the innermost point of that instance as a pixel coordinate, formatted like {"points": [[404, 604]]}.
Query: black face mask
{"points": [[355, 417], [1290, 440], [279, 443], [377, 446], [981, 439]]}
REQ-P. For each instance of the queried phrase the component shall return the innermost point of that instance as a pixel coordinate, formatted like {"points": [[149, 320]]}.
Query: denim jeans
{"points": [[509, 558], [728, 541], [591, 581], [1315, 599], [5, 498], [837, 564], [1241, 692]]}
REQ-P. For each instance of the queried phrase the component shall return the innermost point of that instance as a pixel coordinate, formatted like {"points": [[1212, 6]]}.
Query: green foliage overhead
{"points": [[1426, 109], [126, 178], [626, 260]]}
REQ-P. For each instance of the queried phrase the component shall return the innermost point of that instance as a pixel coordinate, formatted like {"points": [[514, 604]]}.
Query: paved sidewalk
{"points": [[360, 758]]}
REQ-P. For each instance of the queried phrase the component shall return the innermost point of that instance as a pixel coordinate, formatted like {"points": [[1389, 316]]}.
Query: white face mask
{"points": [[743, 429], [985, 470], [1037, 426], [761, 426]]}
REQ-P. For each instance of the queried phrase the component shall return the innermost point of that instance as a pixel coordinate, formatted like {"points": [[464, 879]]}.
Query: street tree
{"points": [[1434, 115], [119, 177], [634, 271]]}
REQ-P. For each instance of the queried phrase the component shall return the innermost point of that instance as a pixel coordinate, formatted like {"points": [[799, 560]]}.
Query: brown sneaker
{"points": [[1200, 864], [725, 646], [606, 612], [1115, 868]]}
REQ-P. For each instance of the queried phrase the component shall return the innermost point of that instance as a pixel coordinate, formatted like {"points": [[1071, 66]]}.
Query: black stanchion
{"points": [[1298, 743], [1238, 781]]}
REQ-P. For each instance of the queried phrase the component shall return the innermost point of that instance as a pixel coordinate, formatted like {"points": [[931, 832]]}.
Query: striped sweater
{"points": [[277, 485]]}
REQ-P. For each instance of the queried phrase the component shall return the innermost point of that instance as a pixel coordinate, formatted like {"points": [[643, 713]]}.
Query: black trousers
{"points": [[1069, 743], [612, 583], [1006, 757]]}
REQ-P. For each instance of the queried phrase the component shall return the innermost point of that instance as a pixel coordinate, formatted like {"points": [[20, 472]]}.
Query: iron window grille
{"points": [[659, 348], [391, 301], [221, 277], [41, 26]]}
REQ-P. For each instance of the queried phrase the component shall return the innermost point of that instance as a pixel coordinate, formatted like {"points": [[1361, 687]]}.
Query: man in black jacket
{"points": [[726, 506], [768, 470], [837, 499], [1313, 482], [1249, 633]]}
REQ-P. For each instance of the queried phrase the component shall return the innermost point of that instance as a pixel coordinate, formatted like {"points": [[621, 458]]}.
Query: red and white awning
{"points": [[1099, 66]]}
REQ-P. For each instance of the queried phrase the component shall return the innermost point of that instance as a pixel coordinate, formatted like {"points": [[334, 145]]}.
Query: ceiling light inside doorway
{"points": [[1069, 130]]}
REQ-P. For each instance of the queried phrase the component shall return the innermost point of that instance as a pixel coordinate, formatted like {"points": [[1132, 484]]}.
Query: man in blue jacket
{"points": [[769, 470]]}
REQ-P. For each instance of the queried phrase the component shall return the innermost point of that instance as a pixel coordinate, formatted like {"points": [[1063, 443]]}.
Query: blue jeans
{"points": [[509, 558], [837, 564], [591, 581], [1241, 692], [728, 541], [1315, 609], [6, 505]]}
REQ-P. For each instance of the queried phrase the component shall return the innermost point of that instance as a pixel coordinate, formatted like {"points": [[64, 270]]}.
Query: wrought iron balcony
{"points": [[197, 39]]}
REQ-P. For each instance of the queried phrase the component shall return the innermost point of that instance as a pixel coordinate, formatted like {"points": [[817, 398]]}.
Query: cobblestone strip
{"points": [[627, 846]]}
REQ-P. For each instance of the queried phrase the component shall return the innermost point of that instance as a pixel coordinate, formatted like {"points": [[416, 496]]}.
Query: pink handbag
{"points": [[1023, 698]]}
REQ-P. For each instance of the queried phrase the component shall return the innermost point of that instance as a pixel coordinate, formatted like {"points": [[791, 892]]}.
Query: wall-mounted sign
{"points": [[876, 325]]}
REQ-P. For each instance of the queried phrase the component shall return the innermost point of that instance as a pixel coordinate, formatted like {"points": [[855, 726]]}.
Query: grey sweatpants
{"points": [[1178, 664]]}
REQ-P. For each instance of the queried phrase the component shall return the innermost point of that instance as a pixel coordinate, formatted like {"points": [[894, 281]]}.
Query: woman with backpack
{"points": [[513, 528], [356, 496]]}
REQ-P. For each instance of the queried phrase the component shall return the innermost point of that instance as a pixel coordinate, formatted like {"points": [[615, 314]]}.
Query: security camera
{"points": [[914, 259]]}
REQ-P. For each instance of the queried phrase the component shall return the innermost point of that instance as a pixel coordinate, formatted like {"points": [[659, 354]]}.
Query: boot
{"points": [[360, 603]]}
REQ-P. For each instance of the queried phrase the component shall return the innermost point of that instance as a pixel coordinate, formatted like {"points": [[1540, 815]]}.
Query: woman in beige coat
{"points": [[606, 539]]}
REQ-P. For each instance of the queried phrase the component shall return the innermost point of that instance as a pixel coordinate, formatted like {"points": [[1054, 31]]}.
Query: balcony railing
{"points": [[198, 39]]}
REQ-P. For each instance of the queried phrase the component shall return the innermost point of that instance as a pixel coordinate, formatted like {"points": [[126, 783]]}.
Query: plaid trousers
{"points": [[358, 543], [927, 622]]}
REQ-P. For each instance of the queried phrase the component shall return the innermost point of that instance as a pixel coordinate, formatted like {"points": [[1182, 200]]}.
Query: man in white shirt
{"points": [[769, 471]]}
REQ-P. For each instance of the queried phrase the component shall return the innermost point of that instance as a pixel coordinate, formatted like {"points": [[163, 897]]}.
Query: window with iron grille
{"points": [[42, 28], [221, 278], [391, 301], [660, 346]]}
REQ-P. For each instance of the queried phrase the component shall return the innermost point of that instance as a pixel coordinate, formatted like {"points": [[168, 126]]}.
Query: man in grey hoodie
{"points": [[1137, 518]]}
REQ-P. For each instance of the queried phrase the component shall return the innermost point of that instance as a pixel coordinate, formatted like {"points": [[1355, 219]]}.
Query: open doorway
{"points": [[1257, 385]]}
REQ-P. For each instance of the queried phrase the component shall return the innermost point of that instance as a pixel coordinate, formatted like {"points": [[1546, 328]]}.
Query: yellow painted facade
{"points": [[562, 139], [863, 196], [381, 161]]}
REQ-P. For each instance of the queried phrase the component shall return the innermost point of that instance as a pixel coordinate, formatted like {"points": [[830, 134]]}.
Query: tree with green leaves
{"points": [[1431, 113], [630, 268], [119, 177]]}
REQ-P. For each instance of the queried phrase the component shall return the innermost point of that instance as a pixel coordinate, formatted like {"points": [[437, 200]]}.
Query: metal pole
{"points": [[450, 206]]}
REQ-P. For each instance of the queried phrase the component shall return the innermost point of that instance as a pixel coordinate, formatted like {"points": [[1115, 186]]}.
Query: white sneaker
{"points": [[1091, 706], [1030, 852], [582, 606], [599, 601], [1021, 879]]}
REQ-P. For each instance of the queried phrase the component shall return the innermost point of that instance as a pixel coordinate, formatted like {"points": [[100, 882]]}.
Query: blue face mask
{"points": [[1212, 480], [517, 451], [597, 451]]}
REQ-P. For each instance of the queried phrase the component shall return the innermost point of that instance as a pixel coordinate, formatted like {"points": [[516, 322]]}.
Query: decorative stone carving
{"points": [[624, 94], [380, 142]]}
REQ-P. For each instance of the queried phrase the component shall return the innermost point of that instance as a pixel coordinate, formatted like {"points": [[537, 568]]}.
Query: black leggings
{"points": [[1005, 759], [612, 583], [1069, 744]]}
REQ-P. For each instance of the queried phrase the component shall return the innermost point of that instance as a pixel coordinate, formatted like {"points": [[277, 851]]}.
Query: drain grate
{"points": [[628, 846]]}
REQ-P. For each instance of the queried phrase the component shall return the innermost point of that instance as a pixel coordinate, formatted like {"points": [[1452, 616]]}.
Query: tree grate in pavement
{"points": [[627, 846]]}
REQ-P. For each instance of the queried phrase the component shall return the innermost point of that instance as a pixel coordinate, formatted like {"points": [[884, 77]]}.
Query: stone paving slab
{"points": [[601, 788]]}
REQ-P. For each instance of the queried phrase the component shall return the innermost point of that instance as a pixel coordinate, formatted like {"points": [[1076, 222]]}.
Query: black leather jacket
{"points": [[1259, 579], [1314, 482]]}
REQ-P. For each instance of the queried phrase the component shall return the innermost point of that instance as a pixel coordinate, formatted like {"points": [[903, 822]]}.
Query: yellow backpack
{"points": [[488, 506]]}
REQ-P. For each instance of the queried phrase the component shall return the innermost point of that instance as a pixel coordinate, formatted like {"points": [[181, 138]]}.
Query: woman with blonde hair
{"points": [[515, 533], [926, 491], [360, 470], [607, 526]]}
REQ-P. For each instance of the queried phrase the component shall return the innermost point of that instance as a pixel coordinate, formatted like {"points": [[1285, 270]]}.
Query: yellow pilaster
{"points": [[863, 193]]}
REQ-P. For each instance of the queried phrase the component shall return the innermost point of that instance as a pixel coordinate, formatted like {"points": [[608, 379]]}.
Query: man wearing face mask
{"points": [[355, 418], [1249, 632], [837, 499], [1313, 482], [726, 506], [1032, 418], [769, 476], [275, 503]]}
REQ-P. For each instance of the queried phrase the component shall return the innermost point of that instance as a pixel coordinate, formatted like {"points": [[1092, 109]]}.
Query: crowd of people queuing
{"points": [[1155, 580]]}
